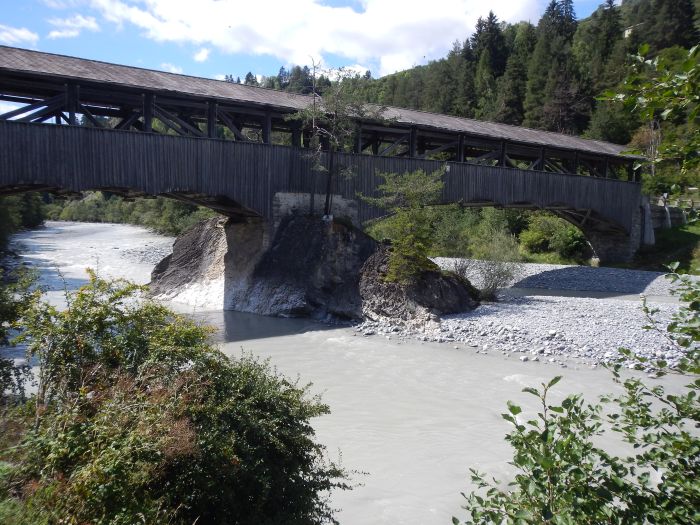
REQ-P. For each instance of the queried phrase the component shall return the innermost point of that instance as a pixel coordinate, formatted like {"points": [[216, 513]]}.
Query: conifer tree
{"points": [[511, 86]]}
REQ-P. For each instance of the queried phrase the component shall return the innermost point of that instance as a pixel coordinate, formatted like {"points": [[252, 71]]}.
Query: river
{"points": [[409, 417]]}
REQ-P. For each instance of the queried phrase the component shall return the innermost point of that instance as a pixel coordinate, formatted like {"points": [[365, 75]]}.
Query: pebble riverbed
{"points": [[561, 330]]}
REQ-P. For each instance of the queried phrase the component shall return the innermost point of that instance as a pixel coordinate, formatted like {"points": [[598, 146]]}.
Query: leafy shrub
{"points": [[18, 212], [453, 228], [497, 265], [563, 477], [547, 233], [161, 215], [138, 419], [15, 295]]}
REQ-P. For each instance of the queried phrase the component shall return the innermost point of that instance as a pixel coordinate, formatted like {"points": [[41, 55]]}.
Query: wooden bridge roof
{"points": [[40, 64]]}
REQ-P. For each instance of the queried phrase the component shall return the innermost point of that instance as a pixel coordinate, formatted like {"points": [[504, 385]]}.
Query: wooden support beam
{"points": [[93, 120], [129, 121], [440, 149], [212, 119], [296, 134], [490, 155], [48, 110], [267, 128], [375, 144], [606, 169], [72, 101], [54, 102], [391, 147], [176, 123], [357, 147], [502, 155], [540, 162], [576, 161], [230, 124], [148, 110], [631, 175], [460, 148], [413, 142]]}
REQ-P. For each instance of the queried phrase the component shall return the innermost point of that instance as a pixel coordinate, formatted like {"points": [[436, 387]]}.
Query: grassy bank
{"points": [[680, 244]]}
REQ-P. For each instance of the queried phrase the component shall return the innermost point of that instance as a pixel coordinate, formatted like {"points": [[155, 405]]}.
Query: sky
{"points": [[213, 38]]}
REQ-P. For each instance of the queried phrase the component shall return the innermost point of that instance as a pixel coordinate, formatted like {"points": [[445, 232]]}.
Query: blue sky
{"points": [[212, 38]]}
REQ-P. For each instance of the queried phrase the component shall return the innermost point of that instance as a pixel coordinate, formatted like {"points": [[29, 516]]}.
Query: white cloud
{"points": [[220, 77], [393, 34], [202, 55], [170, 68], [17, 35], [62, 4], [73, 26]]}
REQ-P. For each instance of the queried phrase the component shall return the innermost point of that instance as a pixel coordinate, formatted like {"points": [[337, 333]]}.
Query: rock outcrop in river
{"points": [[306, 267], [431, 294]]}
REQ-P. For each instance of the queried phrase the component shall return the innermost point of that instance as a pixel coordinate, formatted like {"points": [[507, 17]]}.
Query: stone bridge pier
{"points": [[294, 264], [614, 245]]}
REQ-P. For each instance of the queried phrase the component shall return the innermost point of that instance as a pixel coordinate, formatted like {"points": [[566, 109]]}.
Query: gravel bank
{"points": [[551, 329], [577, 278]]}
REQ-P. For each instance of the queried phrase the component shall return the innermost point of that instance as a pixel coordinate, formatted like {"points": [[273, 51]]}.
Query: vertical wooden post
{"points": [[72, 103], [267, 128], [375, 145], [606, 169], [576, 162], [296, 135], [358, 140], [460, 148], [148, 102], [631, 175], [413, 142], [212, 117], [540, 162], [502, 155]]}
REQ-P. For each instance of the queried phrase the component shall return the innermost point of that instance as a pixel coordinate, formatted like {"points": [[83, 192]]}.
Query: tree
{"points": [[250, 79], [657, 90], [512, 85], [555, 99], [332, 120], [672, 25], [489, 46], [407, 196]]}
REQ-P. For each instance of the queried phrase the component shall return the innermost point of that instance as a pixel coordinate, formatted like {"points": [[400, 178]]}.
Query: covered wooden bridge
{"points": [[83, 124]]}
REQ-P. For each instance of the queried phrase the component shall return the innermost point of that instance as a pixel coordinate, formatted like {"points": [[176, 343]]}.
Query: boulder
{"points": [[311, 269], [424, 298]]}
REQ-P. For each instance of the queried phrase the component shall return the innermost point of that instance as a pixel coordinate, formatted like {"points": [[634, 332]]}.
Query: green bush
{"points": [[138, 419], [162, 215], [18, 212], [547, 233]]}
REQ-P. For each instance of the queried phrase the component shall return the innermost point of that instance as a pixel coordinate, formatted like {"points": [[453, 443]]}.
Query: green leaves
{"points": [[407, 195], [139, 419], [554, 381]]}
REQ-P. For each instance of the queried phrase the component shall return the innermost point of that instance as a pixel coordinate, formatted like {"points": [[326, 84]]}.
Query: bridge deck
{"points": [[248, 175]]}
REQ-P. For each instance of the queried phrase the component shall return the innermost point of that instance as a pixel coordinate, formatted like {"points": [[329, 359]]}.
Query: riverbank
{"points": [[413, 415]]}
